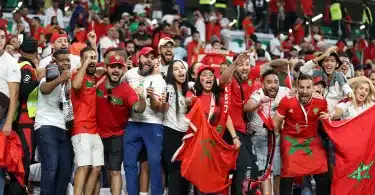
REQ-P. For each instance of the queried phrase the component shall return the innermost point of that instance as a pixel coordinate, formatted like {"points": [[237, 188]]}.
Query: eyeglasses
{"points": [[109, 95]]}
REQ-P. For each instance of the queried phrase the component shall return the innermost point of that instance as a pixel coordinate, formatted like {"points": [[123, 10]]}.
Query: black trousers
{"points": [[322, 185], [246, 158], [177, 185]]}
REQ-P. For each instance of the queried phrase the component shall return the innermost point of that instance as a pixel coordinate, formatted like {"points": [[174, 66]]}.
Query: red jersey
{"points": [[212, 30], [307, 7], [301, 148], [84, 101], [274, 9], [290, 6], [192, 54], [207, 100], [214, 60], [248, 26], [113, 113], [237, 102]]}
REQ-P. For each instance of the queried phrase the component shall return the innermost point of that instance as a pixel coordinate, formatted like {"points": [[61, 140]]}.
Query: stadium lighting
{"points": [[20, 4], [317, 17], [362, 27], [307, 23], [233, 22], [290, 30]]}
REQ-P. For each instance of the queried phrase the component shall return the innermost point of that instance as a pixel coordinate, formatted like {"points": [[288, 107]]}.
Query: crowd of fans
{"points": [[110, 92]]}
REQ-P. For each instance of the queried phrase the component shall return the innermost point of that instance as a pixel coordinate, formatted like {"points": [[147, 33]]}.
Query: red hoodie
{"points": [[369, 53]]}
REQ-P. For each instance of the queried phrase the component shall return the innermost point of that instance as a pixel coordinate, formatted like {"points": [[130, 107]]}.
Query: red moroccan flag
{"points": [[206, 158], [354, 140]]}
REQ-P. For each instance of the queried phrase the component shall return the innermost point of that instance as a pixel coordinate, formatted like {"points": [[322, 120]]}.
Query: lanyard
{"points": [[304, 111], [212, 107]]}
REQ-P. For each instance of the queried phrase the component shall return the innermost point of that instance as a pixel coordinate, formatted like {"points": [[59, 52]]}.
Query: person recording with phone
{"points": [[145, 128], [53, 119]]}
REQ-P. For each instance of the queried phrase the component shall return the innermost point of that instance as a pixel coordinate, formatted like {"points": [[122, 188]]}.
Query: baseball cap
{"points": [[334, 55], [319, 81], [57, 35], [147, 50], [125, 14], [205, 67], [164, 41], [116, 59], [29, 45]]}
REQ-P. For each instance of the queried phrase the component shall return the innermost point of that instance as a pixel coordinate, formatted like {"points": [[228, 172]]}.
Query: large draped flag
{"points": [[206, 158], [354, 141]]}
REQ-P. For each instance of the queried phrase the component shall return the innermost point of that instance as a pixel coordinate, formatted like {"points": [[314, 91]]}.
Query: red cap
{"points": [[147, 50], [57, 35], [205, 67], [116, 59], [81, 36], [109, 26]]}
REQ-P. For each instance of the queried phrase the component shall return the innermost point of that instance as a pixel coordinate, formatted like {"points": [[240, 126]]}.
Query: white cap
{"points": [[125, 14], [224, 22], [212, 18]]}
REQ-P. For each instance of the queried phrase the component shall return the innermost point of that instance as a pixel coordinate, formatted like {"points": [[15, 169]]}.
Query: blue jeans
{"points": [[56, 158], [2, 171], [151, 135]]}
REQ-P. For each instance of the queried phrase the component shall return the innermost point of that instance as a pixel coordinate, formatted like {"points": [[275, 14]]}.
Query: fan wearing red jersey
{"points": [[115, 102], [88, 148], [302, 153], [241, 78]]}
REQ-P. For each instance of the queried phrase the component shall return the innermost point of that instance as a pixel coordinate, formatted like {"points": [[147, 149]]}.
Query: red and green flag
{"points": [[354, 141], [206, 158]]}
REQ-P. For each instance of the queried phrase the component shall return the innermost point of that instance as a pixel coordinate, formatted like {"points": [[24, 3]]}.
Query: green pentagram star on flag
{"points": [[362, 172]]}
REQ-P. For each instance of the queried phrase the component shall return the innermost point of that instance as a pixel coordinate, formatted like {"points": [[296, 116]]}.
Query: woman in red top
{"points": [[287, 45], [210, 94]]}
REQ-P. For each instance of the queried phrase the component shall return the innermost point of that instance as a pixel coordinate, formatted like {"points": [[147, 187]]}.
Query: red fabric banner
{"points": [[206, 158], [354, 141]]}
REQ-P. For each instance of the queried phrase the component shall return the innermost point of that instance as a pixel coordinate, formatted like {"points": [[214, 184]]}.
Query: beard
{"points": [[240, 77], [266, 92], [90, 72], [145, 73], [165, 60]]}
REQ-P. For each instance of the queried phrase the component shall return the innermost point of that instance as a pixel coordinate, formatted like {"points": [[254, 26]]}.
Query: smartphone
{"points": [[20, 38], [167, 92], [150, 86]]}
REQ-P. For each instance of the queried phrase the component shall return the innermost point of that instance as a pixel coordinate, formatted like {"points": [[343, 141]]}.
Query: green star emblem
{"points": [[316, 110], [206, 151], [305, 146], [219, 129], [362, 172]]}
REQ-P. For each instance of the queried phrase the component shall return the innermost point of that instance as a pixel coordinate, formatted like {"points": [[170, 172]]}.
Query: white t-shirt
{"points": [[134, 80], [9, 72], [35, 175], [256, 123], [349, 110], [48, 110], [75, 62], [201, 27], [106, 43], [50, 12], [274, 44], [173, 120]]}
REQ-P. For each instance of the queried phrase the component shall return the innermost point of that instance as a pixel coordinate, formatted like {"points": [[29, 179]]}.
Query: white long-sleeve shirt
{"points": [[50, 12]]}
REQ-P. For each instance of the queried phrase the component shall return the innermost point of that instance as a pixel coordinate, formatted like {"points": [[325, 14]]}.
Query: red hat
{"points": [[205, 67], [109, 26], [116, 59], [147, 50], [319, 80], [56, 36], [81, 35]]}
